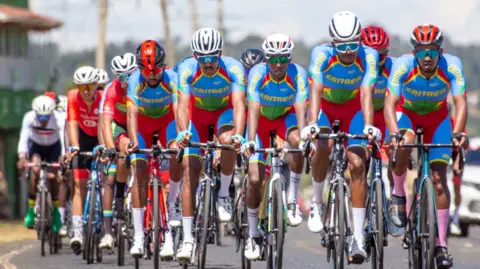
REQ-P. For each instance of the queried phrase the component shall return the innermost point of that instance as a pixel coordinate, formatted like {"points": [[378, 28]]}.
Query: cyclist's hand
{"points": [[460, 140], [183, 138], [248, 148], [313, 147], [306, 132], [21, 164], [133, 146], [237, 142], [97, 150], [72, 151], [108, 155], [396, 139], [216, 158], [372, 132]]}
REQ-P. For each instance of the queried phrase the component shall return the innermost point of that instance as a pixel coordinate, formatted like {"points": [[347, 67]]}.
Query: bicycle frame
{"points": [[95, 177], [377, 176]]}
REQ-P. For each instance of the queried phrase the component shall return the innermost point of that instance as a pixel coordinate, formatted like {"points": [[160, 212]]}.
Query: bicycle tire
{"points": [[51, 241], [205, 221], [340, 222], [90, 235], [279, 224], [427, 221], [120, 244], [246, 263], [156, 223], [98, 250], [379, 231], [412, 229], [43, 212]]}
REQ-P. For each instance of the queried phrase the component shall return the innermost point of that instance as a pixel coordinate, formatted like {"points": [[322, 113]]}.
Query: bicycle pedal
{"points": [[323, 242]]}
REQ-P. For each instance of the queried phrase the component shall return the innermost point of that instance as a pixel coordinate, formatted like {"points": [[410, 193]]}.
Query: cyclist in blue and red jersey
{"points": [[151, 106], [249, 58], [277, 94], [211, 92], [417, 96], [343, 80]]}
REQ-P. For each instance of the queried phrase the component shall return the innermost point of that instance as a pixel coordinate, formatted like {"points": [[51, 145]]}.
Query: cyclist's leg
{"points": [[34, 153], [225, 130], [62, 199], [457, 180], [256, 175], [53, 155], [139, 188], [121, 142], [176, 173], [439, 158], [192, 166], [320, 163]]}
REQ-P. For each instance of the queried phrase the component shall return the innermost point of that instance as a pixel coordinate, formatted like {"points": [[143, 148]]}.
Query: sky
{"points": [[301, 19]]}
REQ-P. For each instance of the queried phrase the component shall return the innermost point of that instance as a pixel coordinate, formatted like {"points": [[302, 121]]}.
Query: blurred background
{"points": [[43, 41]]}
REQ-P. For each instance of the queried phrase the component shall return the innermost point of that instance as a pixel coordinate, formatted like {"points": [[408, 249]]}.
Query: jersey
{"points": [[115, 103], [342, 82], [152, 102], [104, 95], [277, 97], [32, 130], [211, 93], [78, 111], [419, 94], [378, 97]]}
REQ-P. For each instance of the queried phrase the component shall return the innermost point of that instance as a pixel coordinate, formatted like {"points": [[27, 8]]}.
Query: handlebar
{"points": [[42, 164], [210, 145], [424, 146]]}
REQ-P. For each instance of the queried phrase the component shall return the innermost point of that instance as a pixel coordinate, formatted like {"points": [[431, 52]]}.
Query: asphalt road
{"points": [[302, 250]]}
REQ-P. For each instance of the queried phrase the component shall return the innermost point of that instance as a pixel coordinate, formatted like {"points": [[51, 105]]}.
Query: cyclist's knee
{"points": [[225, 134], [294, 138], [52, 176], [109, 180]]}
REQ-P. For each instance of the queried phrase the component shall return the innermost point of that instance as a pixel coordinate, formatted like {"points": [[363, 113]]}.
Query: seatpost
{"points": [[155, 138], [210, 132], [273, 140]]}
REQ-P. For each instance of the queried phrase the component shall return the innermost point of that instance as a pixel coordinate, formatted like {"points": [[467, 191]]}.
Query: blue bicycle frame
{"points": [[377, 176], [97, 183], [419, 185]]}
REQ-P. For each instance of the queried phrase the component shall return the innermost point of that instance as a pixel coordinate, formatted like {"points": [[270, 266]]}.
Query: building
{"points": [[24, 73]]}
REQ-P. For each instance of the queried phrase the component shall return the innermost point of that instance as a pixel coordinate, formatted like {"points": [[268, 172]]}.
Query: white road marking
{"points": [[5, 259]]}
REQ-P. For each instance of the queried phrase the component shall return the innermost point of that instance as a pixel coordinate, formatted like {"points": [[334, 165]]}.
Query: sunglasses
{"points": [[89, 87], [123, 78], [155, 71], [343, 47], [208, 58], [43, 117], [422, 54], [278, 59]]}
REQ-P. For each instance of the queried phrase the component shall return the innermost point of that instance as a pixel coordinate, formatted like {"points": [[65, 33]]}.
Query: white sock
{"points": [[62, 214], [138, 215], [358, 223], [253, 222], [168, 236], [187, 229], [318, 191], [293, 188], [225, 185], [173, 192], [455, 215], [77, 223]]}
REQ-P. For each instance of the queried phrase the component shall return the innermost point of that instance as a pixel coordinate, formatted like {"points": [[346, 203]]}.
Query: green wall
{"points": [[17, 3]]}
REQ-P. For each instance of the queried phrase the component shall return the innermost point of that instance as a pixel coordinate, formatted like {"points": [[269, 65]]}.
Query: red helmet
{"points": [[150, 55], [426, 34], [375, 37]]}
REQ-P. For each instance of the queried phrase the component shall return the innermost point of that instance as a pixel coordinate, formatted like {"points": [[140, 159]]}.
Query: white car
{"points": [[469, 212]]}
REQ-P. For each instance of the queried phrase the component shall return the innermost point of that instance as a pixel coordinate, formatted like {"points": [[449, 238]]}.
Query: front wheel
{"points": [[204, 216], [427, 233], [278, 219], [378, 227], [339, 238], [120, 244]]}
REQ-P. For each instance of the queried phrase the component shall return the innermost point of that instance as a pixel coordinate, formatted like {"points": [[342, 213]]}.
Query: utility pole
{"points": [[168, 38], [193, 15], [221, 28], [102, 31]]}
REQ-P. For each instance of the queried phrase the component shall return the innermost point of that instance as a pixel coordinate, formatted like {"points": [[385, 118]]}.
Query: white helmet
{"points": [[62, 105], [345, 26], [43, 105], [102, 76], [206, 41], [124, 64], [278, 44], [85, 75]]}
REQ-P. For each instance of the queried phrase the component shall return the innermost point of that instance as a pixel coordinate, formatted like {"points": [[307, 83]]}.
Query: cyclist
{"points": [[211, 91], [457, 181], [151, 105], [103, 79], [344, 73], [42, 139], [417, 92], [82, 120], [282, 110], [114, 121], [249, 58]]}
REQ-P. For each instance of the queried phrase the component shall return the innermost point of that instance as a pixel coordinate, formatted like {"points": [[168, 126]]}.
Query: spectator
{"points": [[4, 209]]}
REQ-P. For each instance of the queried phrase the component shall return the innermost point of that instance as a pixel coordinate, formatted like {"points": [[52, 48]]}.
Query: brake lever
{"points": [[179, 155]]}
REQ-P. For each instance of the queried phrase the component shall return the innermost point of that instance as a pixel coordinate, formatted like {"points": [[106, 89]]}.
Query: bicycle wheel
{"points": [[98, 250], [243, 225], [89, 247], [43, 232], [427, 233], [339, 238], [204, 224], [376, 247], [120, 244], [278, 224], [156, 223]]}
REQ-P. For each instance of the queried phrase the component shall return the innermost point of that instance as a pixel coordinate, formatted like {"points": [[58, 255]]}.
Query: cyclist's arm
{"points": [[237, 73], [100, 133], [61, 130], [459, 93], [253, 96], [174, 86], [183, 109], [301, 98], [393, 93], [368, 86], [106, 116], [318, 61], [72, 124], [107, 130], [132, 123], [24, 134]]}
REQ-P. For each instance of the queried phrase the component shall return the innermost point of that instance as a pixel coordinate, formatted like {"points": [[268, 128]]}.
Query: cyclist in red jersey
{"points": [[82, 118], [114, 122]]}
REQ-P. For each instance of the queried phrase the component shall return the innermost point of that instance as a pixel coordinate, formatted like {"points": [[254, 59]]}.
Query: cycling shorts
{"points": [[283, 126], [437, 129], [117, 130], [49, 153], [350, 116], [164, 125], [379, 122], [87, 143]]}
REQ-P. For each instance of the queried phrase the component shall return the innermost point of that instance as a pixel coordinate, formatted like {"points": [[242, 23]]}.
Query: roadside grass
{"points": [[11, 231]]}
